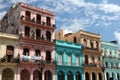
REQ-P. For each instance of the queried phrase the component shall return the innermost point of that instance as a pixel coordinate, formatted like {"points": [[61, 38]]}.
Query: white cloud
{"points": [[76, 25], [117, 36], [25, 1], [109, 8]]}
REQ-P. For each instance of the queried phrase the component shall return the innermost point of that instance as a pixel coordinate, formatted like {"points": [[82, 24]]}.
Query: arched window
{"points": [[100, 76], [93, 76], [60, 75], [48, 75], [69, 76], [7, 74], [25, 75], [48, 36], [107, 76], [78, 76], [37, 75], [91, 44], [87, 76], [9, 53], [118, 76]]}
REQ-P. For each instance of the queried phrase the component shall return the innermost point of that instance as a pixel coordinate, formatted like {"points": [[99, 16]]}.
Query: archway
{"points": [[37, 75], [118, 76], [100, 76], [87, 76], [78, 76], [113, 75], [93, 76], [69, 76], [7, 74], [107, 76], [25, 75], [48, 75], [60, 75]]}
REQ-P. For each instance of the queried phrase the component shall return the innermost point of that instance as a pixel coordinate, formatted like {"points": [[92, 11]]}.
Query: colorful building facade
{"points": [[111, 60], [92, 56], [69, 61], [8, 56], [36, 47]]}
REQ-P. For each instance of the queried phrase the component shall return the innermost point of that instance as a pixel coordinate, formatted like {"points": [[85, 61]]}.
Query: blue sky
{"points": [[98, 16]]}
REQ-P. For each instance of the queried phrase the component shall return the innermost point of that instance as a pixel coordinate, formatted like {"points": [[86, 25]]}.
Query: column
{"points": [[74, 76], [90, 76], [31, 76], [65, 76], [0, 74], [43, 76]]}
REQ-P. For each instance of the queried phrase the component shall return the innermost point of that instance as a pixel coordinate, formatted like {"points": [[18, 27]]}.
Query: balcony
{"points": [[91, 48], [13, 60], [68, 64], [37, 23], [36, 59], [89, 65]]}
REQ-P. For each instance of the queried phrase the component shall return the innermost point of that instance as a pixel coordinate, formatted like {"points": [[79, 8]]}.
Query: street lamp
{"points": [[41, 66]]}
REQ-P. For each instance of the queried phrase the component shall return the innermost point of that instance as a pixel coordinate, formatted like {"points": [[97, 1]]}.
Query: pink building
{"points": [[35, 27]]}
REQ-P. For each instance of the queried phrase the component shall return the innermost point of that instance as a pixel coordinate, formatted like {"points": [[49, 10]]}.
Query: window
{"points": [[26, 51], [75, 40], [106, 63], [69, 59], [84, 43], [48, 56], [112, 65], [38, 18], [60, 59], [48, 36], [37, 53], [27, 32], [9, 53], [48, 21], [97, 45], [77, 60], [38, 33], [105, 52], [91, 44], [86, 59], [28, 15]]}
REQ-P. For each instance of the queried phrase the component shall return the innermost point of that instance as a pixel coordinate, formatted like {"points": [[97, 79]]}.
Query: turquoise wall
{"points": [[111, 62], [74, 50]]}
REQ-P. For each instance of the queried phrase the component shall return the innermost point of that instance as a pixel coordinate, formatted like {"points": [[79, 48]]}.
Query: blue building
{"points": [[111, 60], [69, 61]]}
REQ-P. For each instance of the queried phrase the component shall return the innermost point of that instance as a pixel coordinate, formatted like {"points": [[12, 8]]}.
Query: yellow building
{"points": [[8, 56], [92, 56]]}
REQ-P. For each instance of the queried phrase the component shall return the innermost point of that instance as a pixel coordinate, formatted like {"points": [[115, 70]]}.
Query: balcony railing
{"points": [[36, 21], [68, 64], [89, 65], [91, 48], [13, 60], [37, 59]]}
